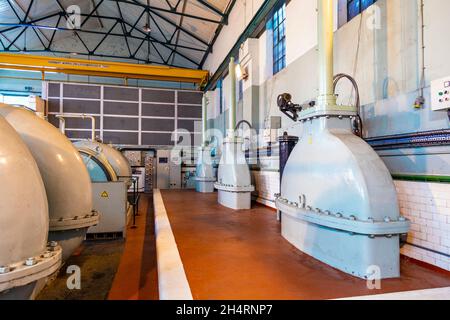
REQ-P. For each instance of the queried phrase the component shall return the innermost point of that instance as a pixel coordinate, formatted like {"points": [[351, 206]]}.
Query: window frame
{"points": [[278, 37], [362, 5]]}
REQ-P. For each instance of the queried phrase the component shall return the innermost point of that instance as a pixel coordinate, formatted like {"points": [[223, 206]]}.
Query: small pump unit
{"points": [[234, 181], [204, 174], [338, 202], [25, 256], [111, 178]]}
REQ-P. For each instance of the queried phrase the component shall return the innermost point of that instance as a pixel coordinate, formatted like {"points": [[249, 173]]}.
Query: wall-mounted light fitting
{"points": [[241, 72]]}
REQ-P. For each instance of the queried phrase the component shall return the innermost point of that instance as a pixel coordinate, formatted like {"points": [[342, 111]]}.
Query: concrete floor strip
{"points": [[172, 280]]}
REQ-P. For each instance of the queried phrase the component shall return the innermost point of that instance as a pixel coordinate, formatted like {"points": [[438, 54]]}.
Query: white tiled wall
{"points": [[427, 205], [267, 184]]}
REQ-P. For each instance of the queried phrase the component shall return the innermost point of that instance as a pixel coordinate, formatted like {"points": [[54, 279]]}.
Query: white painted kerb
{"points": [[172, 280]]}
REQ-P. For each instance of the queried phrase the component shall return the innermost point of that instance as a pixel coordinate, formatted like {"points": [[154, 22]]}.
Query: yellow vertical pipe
{"points": [[204, 119], [232, 117], [326, 45]]}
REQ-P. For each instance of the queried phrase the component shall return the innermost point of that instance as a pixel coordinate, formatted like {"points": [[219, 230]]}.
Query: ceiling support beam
{"points": [[178, 35], [105, 36], [92, 12], [53, 34], [54, 28], [189, 33], [66, 16], [25, 18], [152, 8], [159, 28], [129, 29], [211, 7], [218, 31]]}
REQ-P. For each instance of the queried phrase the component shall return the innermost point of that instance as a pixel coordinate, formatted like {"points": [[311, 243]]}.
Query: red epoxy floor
{"points": [[136, 278], [231, 254]]}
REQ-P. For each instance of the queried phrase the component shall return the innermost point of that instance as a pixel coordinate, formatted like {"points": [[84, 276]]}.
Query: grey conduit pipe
{"points": [[242, 122], [62, 122], [338, 78]]}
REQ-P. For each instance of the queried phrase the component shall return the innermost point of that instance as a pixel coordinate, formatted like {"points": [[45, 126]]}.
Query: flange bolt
{"points": [[52, 245], [30, 262], [4, 269]]}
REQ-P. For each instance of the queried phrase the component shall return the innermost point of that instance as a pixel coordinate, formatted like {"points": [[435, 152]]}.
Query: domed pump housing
{"points": [[116, 159], [100, 170], [338, 202], [24, 255], [65, 177]]}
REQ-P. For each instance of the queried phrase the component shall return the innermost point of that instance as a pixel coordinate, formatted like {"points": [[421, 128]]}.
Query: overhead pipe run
{"points": [[25, 256], [338, 202], [234, 181]]}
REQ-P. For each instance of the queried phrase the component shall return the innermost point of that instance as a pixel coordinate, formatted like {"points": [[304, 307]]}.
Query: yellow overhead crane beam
{"points": [[97, 68]]}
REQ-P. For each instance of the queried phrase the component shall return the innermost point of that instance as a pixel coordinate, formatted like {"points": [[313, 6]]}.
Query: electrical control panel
{"points": [[440, 94], [168, 167]]}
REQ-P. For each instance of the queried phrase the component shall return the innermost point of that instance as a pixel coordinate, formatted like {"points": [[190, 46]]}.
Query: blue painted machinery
{"points": [[338, 202]]}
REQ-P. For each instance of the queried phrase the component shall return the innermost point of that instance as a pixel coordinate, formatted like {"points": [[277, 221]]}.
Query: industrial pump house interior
{"points": [[224, 150]]}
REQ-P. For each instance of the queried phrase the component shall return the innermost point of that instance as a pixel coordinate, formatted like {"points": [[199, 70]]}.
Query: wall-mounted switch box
{"points": [[271, 129], [440, 94]]}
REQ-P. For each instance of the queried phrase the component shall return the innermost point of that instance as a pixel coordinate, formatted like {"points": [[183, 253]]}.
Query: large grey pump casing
{"points": [[23, 218], [338, 202], [339, 176], [67, 182]]}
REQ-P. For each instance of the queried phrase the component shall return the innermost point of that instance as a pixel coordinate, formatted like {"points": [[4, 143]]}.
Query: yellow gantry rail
{"points": [[101, 68]]}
